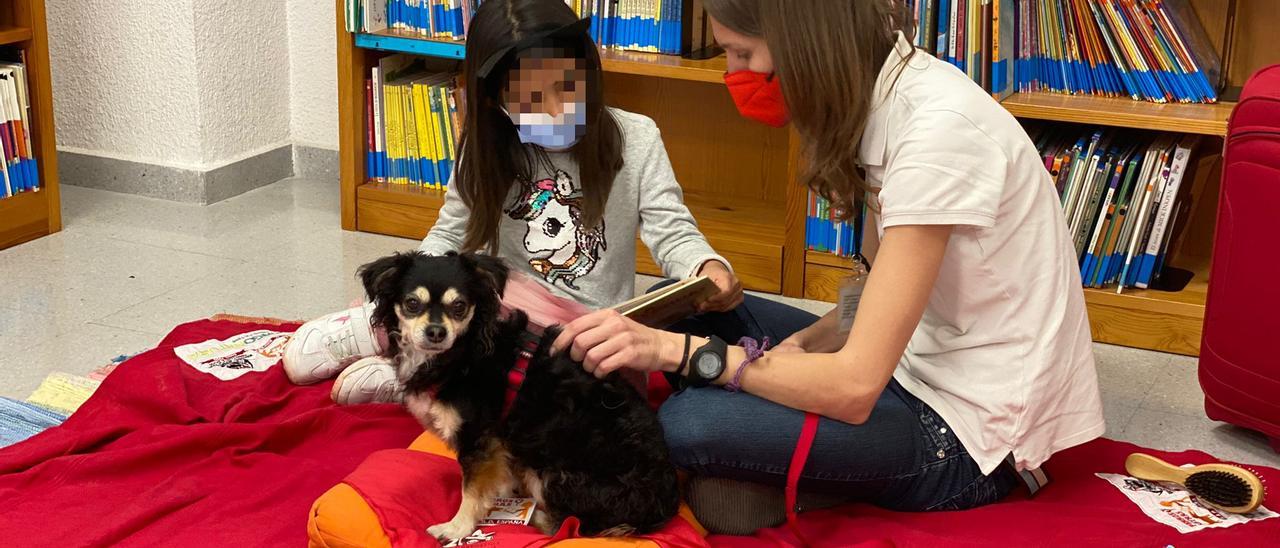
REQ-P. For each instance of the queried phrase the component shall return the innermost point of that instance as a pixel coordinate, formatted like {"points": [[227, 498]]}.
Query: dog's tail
{"points": [[623, 530]]}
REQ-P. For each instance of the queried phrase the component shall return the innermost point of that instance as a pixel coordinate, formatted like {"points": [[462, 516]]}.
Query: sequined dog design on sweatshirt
{"points": [[562, 249]]}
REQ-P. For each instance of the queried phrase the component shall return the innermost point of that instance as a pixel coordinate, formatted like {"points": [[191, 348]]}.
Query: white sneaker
{"points": [[370, 380], [323, 347]]}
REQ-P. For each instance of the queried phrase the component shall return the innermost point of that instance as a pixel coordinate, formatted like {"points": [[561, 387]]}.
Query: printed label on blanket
{"points": [[506, 511], [229, 359], [474, 538], [1174, 506], [510, 511]]}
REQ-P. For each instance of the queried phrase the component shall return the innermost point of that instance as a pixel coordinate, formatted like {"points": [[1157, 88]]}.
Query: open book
{"points": [[658, 309], [670, 304]]}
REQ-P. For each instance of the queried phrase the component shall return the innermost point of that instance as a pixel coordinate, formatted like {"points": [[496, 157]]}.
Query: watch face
{"points": [[708, 366]]}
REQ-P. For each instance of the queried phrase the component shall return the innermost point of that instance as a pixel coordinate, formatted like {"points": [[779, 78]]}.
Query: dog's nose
{"points": [[436, 333]]}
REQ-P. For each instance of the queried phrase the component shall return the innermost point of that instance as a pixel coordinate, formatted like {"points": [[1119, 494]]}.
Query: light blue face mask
{"points": [[555, 133]]}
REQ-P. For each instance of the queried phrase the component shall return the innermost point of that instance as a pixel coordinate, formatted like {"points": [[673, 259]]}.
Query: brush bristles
{"points": [[1220, 488]]}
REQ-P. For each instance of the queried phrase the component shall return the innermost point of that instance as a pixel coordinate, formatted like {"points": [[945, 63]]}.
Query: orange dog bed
{"points": [[344, 518]]}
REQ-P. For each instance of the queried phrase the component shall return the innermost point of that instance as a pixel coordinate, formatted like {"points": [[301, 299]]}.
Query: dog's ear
{"points": [[492, 269], [380, 276]]}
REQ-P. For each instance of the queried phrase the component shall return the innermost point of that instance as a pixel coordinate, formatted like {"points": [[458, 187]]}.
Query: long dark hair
{"points": [[828, 52], [492, 157]]}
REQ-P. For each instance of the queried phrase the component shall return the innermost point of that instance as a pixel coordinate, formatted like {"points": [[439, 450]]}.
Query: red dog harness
{"points": [[515, 377]]}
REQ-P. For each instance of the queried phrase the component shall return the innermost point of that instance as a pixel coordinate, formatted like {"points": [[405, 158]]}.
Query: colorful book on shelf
{"points": [[18, 170], [1153, 50], [1154, 255], [413, 121], [1125, 195], [428, 160], [370, 147]]}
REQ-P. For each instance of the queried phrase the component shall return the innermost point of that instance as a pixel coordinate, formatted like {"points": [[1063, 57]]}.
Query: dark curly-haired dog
{"points": [[578, 445]]}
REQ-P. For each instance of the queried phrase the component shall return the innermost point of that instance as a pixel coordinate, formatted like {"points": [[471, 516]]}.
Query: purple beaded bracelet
{"points": [[755, 349]]}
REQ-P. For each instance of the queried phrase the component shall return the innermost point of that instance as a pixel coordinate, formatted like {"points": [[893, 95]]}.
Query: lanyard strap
{"points": [[801, 455], [859, 226]]}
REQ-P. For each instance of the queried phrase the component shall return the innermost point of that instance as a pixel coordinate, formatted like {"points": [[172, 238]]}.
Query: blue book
{"points": [[438, 15], [1145, 270], [459, 29], [633, 29], [849, 238], [445, 22], [439, 11], [831, 233], [624, 31], [943, 29], [675, 19], [809, 231], [606, 26], [595, 27], [648, 25]]}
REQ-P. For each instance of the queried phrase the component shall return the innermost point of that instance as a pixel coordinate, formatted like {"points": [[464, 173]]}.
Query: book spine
{"points": [[379, 129]]}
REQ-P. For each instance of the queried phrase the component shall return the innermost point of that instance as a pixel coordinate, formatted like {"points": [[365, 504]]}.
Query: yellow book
{"points": [[389, 112], [441, 159], [450, 138], [412, 151], [395, 134], [425, 133]]}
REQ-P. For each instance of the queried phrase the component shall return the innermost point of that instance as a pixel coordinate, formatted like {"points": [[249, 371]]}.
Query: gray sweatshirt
{"points": [[592, 265]]}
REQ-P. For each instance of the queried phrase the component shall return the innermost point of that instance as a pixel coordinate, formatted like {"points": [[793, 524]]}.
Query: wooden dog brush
{"points": [[1225, 487]]}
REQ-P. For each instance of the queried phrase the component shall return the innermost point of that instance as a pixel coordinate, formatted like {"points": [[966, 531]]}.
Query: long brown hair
{"points": [[829, 52], [492, 158]]}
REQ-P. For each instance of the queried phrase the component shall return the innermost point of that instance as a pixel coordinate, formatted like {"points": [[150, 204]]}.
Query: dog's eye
{"points": [[412, 306], [458, 309]]}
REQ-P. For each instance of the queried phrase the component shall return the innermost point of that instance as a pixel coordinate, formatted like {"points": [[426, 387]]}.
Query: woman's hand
{"points": [[730, 295], [606, 341], [791, 344]]}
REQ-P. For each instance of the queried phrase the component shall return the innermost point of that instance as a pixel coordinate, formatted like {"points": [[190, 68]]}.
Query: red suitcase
{"points": [[1239, 362]]}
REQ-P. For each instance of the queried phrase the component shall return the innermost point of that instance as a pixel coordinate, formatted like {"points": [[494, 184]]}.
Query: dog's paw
{"points": [[452, 530]]}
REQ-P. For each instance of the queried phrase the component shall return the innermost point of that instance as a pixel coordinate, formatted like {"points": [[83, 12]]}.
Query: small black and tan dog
{"points": [[578, 445]]}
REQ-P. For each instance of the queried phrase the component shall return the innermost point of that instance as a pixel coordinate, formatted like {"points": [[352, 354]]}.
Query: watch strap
{"points": [[684, 361]]}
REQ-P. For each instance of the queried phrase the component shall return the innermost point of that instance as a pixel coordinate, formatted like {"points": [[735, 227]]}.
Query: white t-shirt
{"points": [[1003, 352]]}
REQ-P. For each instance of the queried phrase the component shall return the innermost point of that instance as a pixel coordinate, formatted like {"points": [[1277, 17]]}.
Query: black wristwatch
{"points": [[707, 363]]}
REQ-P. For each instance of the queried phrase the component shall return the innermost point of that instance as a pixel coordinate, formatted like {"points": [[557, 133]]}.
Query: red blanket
{"points": [[1077, 509], [164, 455]]}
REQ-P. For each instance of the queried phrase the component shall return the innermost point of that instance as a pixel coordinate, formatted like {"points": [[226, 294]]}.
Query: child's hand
{"points": [[730, 295], [791, 344], [606, 341]]}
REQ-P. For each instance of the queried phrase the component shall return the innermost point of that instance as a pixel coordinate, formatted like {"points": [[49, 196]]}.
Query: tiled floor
{"points": [[126, 269]]}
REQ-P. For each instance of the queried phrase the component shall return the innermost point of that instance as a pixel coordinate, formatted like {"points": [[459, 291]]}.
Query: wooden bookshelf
{"points": [[735, 173], [1204, 119], [30, 215], [739, 176], [615, 61], [13, 35]]}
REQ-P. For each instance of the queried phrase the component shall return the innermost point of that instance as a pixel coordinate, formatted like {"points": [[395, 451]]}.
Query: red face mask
{"points": [[758, 96]]}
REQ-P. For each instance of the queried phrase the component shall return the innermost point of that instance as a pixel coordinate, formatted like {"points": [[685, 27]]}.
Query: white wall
{"points": [[242, 53], [124, 79], [313, 73], [193, 84]]}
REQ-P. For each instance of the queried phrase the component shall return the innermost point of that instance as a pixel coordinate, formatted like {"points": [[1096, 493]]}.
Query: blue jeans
{"points": [[904, 457]]}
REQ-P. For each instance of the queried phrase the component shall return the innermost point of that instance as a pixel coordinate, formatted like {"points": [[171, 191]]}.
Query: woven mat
{"points": [[250, 319]]}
